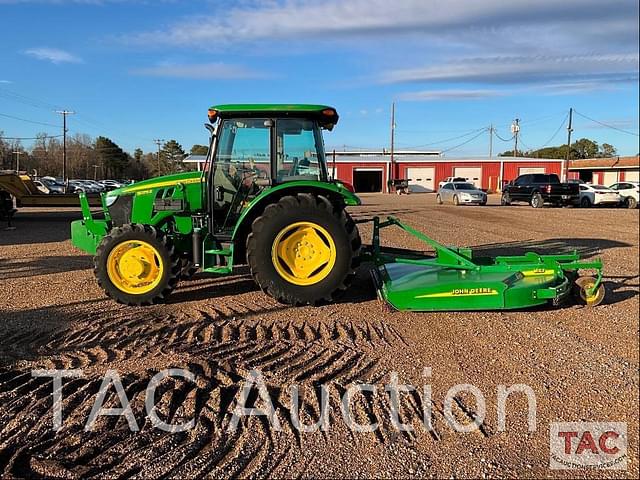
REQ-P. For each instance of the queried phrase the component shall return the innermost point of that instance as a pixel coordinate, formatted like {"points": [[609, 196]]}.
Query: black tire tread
{"points": [[141, 231], [305, 201]]}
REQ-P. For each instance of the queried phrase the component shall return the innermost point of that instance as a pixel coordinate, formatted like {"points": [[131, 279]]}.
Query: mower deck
{"points": [[453, 280]]}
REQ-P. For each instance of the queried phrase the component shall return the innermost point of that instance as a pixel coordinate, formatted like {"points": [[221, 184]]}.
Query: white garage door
{"points": [[472, 174], [421, 179], [525, 170], [609, 178], [632, 176]]}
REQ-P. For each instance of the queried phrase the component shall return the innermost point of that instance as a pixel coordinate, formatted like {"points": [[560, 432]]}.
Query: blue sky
{"points": [[138, 70]]}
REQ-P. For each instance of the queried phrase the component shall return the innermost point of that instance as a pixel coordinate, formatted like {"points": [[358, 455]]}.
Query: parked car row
{"points": [[53, 186], [539, 189]]}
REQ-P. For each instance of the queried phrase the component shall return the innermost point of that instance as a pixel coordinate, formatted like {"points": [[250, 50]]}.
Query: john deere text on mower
{"points": [[266, 199]]}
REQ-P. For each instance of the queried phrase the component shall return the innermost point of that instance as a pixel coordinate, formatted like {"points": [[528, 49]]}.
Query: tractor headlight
{"points": [[110, 200]]}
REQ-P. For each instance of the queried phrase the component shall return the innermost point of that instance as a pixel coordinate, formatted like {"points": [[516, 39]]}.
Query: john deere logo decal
{"points": [[461, 292]]}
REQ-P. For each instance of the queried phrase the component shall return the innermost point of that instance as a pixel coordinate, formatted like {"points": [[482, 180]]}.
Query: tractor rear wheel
{"points": [[137, 265], [303, 250]]}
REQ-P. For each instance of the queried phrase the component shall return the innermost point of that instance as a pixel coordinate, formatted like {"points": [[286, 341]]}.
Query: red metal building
{"points": [[371, 171], [605, 171]]}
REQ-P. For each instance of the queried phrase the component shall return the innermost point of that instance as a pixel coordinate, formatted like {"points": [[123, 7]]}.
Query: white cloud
{"points": [[465, 41], [451, 94], [519, 69], [301, 19], [212, 71], [6, 81], [53, 55]]}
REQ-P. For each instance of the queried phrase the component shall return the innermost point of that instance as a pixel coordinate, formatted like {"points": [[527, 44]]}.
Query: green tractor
{"points": [[266, 199]]}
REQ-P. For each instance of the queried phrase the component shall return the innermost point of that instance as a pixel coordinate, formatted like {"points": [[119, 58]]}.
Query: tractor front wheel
{"points": [[137, 265], [303, 250]]}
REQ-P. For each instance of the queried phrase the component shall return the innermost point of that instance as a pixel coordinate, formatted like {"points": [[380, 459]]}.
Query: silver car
{"points": [[460, 193]]}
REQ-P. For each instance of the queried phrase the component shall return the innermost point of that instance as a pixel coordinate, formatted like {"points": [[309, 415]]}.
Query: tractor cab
{"points": [[254, 147]]}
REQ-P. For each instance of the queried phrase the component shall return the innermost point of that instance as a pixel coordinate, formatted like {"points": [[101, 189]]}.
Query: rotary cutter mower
{"points": [[453, 279]]}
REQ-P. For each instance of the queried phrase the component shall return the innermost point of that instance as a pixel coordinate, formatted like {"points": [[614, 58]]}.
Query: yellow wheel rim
{"points": [[135, 267], [303, 253], [590, 299]]}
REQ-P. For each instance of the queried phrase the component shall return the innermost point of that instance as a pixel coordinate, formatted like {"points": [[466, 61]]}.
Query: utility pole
{"points": [[565, 167], [18, 153], [491, 141], [333, 175], [64, 114], [515, 130], [393, 135], [95, 171], [158, 142]]}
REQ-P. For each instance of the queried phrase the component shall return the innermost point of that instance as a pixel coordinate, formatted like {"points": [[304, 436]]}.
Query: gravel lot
{"points": [[581, 363]]}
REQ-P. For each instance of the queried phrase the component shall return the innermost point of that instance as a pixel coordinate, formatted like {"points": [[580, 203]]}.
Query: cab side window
{"points": [[299, 150]]}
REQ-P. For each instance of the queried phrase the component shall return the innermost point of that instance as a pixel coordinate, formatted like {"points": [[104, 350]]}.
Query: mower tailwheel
{"points": [[303, 249], [582, 291], [137, 265]]}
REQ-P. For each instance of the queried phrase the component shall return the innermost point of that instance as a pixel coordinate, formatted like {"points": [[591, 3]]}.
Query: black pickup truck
{"points": [[539, 188]]}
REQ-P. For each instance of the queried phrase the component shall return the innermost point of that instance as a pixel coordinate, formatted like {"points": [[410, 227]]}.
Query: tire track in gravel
{"points": [[111, 449], [220, 346]]}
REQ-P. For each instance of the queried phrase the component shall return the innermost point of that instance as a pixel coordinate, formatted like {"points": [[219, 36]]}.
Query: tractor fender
{"points": [[336, 192]]}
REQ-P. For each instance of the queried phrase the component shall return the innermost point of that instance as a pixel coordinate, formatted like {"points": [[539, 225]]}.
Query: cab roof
{"points": [[324, 113], [269, 107]]}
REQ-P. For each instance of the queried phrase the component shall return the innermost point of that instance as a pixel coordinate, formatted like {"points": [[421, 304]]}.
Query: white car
{"points": [[597, 195], [41, 186], [451, 180], [628, 192], [460, 193]]}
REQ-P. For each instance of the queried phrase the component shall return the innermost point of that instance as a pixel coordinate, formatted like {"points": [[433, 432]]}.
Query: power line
{"points": [[464, 143], [556, 132], [33, 102], [2, 137], [28, 121], [495, 132], [471, 132], [607, 125], [528, 148], [540, 119]]}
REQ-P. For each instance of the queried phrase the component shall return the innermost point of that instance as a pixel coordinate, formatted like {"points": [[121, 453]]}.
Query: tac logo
{"points": [[596, 445]]}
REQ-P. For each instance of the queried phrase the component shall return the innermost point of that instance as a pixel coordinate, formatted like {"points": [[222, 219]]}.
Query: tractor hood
{"points": [[185, 178]]}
